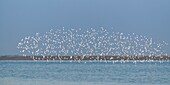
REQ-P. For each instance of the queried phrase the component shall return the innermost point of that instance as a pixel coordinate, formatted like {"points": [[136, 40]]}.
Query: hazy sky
{"points": [[21, 18]]}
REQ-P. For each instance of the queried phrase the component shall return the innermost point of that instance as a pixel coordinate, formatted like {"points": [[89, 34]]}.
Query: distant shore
{"points": [[84, 57]]}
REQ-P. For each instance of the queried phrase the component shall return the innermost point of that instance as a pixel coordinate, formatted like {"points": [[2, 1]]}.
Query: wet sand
{"points": [[84, 57]]}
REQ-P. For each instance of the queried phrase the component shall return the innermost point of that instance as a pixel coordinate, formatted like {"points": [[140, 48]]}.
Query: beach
{"points": [[84, 57]]}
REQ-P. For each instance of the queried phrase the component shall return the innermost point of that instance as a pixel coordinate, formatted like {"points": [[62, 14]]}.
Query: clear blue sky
{"points": [[21, 18]]}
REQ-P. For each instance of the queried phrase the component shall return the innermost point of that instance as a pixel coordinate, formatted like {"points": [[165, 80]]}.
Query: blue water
{"points": [[84, 73]]}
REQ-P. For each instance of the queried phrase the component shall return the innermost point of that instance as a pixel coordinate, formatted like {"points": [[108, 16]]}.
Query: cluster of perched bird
{"points": [[89, 42]]}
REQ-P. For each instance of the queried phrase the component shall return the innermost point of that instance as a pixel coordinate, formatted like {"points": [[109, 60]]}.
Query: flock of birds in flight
{"points": [[89, 42]]}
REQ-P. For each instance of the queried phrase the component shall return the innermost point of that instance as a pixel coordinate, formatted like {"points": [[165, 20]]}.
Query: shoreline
{"points": [[84, 57]]}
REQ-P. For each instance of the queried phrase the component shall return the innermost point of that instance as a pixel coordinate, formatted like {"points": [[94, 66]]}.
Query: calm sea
{"points": [[84, 73]]}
